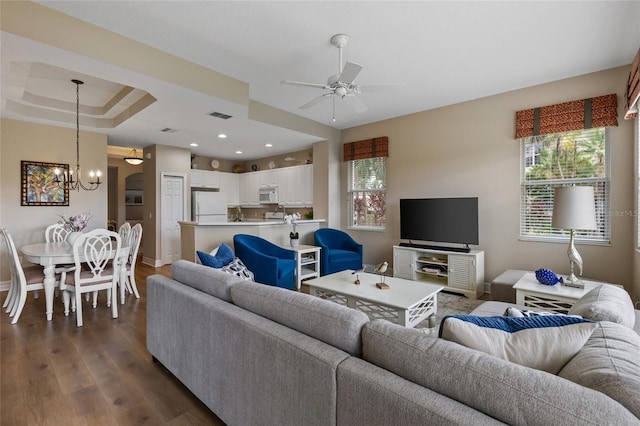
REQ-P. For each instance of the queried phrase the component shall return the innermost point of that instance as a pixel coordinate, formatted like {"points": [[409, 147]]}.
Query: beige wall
{"points": [[36, 142], [124, 170], [469, 149]]}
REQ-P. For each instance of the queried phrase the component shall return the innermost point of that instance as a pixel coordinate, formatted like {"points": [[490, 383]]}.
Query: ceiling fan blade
{"points": [[301, 83], [356, 104], [379, 88], [315, 101], [350, 72]]}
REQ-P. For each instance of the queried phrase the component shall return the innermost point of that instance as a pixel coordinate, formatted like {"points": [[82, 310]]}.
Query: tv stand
{"points": [[459, 270], [465, 249]]}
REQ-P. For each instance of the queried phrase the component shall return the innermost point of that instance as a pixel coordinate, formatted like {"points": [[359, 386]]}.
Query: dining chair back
{"points": [[23, 279], [95, 269], [135, 237], [124, 231], [55, 233]]}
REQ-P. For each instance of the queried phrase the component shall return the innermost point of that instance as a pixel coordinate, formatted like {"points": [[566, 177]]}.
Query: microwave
{"points": [[268, 195]]}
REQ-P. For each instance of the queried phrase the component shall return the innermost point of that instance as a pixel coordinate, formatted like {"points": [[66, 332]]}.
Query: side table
{"points": [[308, 262], [557, 298]]}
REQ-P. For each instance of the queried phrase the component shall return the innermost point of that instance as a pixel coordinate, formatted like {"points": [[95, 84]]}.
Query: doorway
{"points": [[173, 209]]}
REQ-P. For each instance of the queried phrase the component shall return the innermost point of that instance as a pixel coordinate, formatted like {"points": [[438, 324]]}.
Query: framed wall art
{"points": [[39, 187]]}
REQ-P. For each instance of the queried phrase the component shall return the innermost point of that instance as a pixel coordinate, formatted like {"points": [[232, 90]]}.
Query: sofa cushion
{"points": [[329, 322], [508, 392], [209, 280], [606, 303], [610, 363], [543, 342], [223, 256]]}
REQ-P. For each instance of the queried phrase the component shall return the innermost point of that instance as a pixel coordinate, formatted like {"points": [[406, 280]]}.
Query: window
{"points": [[367, 193], [554, 160]]}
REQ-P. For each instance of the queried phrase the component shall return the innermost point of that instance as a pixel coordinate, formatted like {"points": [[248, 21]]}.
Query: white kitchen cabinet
{"points": [[249, 186], [230, 186], [205, 179]]}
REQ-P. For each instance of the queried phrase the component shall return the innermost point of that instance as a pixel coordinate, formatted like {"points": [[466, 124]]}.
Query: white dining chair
{"points": [[93, 253], [11, 294], [55, 233], [135, 237], [23, 279], [124, 231]]}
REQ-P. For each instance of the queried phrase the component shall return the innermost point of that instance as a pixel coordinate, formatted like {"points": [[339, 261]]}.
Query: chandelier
{"points": [[68, 180], [132, 158]]}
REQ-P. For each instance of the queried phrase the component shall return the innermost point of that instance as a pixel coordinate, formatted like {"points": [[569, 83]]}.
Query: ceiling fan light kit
{"points": [[342, 84]]}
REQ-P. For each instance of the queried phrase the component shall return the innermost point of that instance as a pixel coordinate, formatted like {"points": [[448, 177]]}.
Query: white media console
{"points": [[459, 272]]}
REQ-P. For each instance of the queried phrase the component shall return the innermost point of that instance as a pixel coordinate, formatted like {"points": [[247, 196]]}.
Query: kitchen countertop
{"points": [[251, 222]]}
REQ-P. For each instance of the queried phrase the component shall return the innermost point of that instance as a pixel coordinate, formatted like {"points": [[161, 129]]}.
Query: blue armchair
{"points": [[339, 251], [270, 264]]}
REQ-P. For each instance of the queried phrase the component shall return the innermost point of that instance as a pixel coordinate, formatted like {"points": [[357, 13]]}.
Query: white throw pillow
{"points": [[606, 303], [544, 342]]}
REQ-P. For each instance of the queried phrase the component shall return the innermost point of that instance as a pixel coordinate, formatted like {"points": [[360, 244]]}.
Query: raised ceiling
{"points": [[444, 53]]}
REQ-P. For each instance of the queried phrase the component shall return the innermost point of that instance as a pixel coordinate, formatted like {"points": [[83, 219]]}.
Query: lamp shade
{"points": [[574, 208]]}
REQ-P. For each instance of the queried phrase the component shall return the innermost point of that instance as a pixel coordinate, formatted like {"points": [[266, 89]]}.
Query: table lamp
{"points": [[574, 208]]}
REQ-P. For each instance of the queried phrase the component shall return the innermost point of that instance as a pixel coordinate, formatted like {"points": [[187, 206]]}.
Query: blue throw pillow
{"points": [[222, 257]]}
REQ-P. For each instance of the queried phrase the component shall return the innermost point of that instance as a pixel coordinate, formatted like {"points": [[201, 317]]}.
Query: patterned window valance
{"points": [[369, 148], [575, 115], [632, 94]]}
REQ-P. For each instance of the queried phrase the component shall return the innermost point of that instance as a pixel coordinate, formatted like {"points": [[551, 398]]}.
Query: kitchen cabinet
{"points": [[230, 186], [205, 179]]}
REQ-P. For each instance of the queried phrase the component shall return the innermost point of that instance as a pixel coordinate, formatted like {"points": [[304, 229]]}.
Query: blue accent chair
{"points": [[270, 264], [339, 251]]}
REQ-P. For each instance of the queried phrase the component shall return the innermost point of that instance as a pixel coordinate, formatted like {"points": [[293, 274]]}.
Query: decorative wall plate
{"points": [[215, 164], [272, 165]]}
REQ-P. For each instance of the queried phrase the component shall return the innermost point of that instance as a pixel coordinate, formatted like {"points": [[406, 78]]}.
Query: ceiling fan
{"points": [[342, 84]]}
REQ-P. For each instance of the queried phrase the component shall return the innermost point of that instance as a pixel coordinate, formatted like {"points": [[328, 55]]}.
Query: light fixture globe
{"points": [[132, 158]]}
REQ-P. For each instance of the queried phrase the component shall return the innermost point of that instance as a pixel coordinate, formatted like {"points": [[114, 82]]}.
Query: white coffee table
{"points": [[405, 302], [557, 298]]}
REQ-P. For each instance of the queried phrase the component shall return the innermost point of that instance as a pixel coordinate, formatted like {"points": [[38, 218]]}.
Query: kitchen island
{"points": [[205, 238]]}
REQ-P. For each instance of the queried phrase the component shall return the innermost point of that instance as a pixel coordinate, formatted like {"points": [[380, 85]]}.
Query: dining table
{"points": [[49, 256]]}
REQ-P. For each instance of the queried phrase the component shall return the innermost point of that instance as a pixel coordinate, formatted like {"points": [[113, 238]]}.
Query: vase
{"points": [[295, 242], [71, 238]]}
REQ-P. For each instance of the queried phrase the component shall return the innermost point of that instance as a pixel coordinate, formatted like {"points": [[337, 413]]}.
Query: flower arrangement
{"points": [[75, 223], [292, 218]]}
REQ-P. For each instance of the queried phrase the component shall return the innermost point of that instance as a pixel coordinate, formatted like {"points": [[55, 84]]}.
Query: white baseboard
{"points": [[152, 262]]}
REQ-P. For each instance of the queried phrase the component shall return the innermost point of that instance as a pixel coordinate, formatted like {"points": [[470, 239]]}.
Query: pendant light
{"points": [[68, 180], [132, 158]]}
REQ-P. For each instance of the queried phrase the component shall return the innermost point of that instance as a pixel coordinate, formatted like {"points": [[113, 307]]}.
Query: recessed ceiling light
{"points": [[193, 144], [238, 152], [268, 145], [222, 136]]}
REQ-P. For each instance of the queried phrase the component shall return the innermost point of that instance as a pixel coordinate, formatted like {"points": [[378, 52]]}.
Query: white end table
{"points": [[557, 298], [307, 262]]}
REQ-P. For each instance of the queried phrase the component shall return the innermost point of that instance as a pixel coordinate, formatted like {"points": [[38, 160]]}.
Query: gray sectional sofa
{"points": [[261, 355]]}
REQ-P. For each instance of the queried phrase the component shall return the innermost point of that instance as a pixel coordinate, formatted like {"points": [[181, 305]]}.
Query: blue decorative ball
{"points": [[547, 277]]}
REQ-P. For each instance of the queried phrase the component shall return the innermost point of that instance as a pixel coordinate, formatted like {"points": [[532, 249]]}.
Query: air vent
{"points": [[220, 115], [168, 130]]}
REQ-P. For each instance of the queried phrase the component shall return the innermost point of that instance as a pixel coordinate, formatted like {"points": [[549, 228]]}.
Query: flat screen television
{"points": [[439, 220]]}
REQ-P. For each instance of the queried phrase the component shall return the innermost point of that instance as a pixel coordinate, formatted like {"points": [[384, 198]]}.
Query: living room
{"points": [[464, 149]]}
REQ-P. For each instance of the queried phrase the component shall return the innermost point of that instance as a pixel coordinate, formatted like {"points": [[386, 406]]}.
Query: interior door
{"points": [[173, 210]]}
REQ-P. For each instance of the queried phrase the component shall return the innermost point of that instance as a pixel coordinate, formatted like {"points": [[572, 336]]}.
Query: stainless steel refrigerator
{"points": [[208, 207]]}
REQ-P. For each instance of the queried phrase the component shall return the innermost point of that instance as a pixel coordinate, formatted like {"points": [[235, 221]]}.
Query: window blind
{"points": [[368, 148], [632, 94], [601, 111]]}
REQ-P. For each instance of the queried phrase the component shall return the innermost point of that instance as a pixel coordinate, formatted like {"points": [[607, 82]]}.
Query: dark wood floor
{"points": [[54, 373]]}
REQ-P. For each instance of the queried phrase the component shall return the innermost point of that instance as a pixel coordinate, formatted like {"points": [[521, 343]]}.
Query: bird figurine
{"points": [[380, 269], [357, 274]]}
